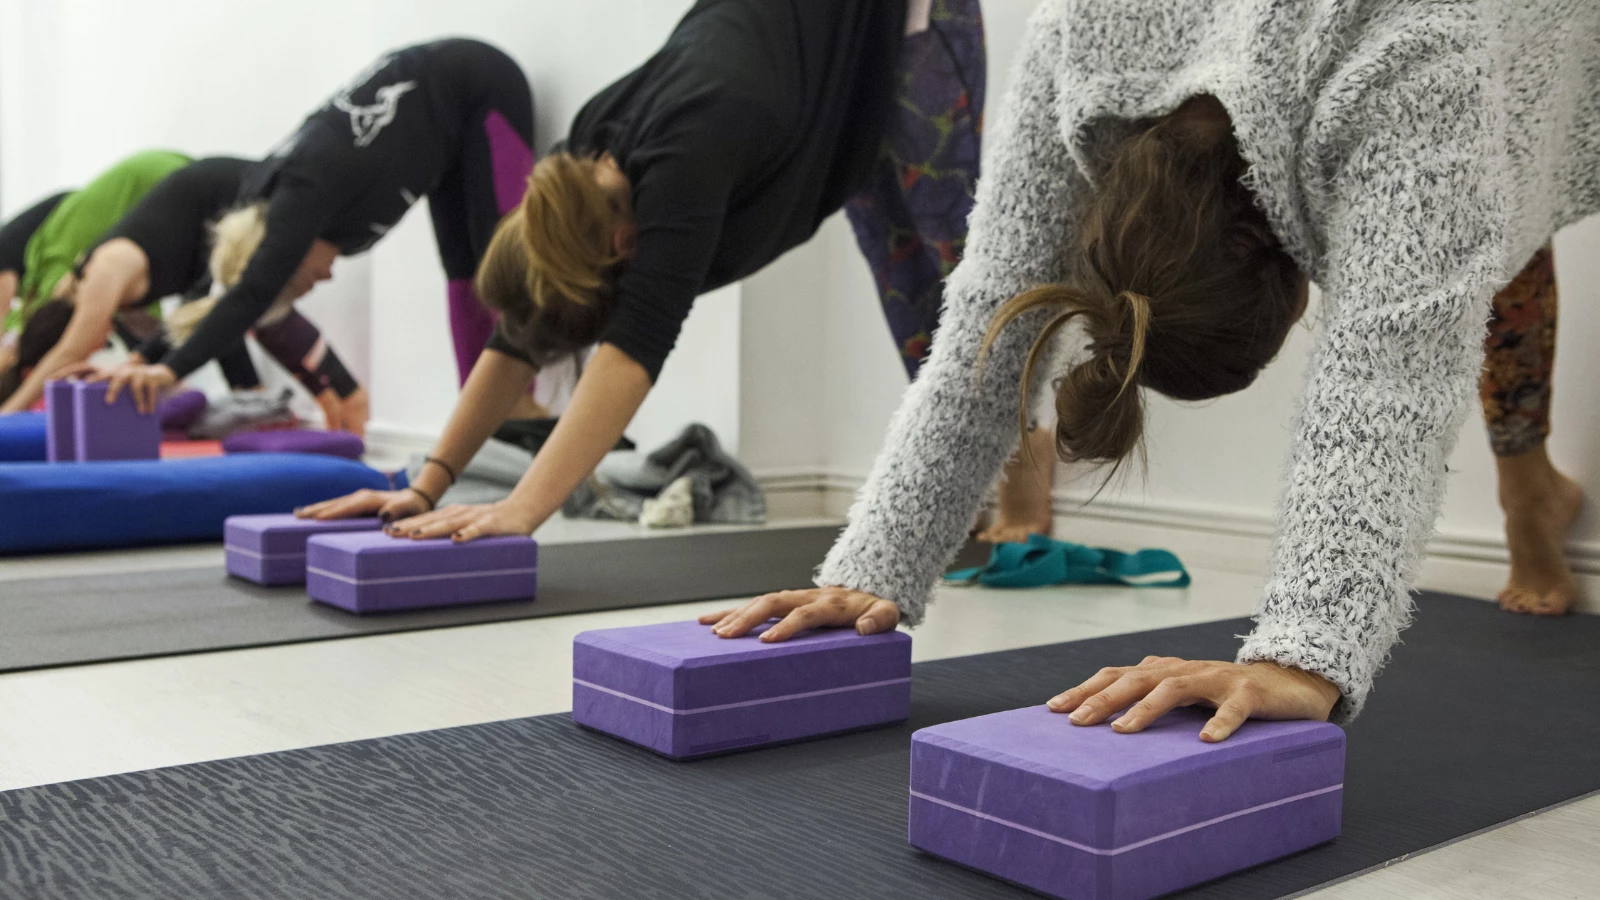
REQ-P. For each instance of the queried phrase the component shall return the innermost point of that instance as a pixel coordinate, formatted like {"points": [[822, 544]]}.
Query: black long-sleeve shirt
{"points": [[348, 175], [754, 122], [170, 225], [15, 234]]}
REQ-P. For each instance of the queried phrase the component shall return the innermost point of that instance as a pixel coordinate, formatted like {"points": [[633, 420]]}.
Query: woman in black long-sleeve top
{"points": [[450, 120]]}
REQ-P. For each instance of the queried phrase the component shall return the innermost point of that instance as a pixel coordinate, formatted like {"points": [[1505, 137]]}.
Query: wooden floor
{"points": [[64, 724]]}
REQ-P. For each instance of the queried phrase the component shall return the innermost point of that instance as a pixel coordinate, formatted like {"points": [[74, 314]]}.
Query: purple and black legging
{"points": [[486, 183], [911, 220]]}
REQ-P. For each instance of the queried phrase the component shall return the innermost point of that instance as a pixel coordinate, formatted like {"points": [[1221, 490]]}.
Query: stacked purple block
{"points": [[683, 692], [58, 415], [1089, 814], [370, 571], [104, 431], [271, 549]]}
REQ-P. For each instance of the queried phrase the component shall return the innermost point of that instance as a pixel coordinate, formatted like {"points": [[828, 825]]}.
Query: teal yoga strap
{"points": [[1042, 561]]}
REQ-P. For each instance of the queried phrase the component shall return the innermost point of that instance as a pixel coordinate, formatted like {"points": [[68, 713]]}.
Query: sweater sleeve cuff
{"points": [[864, 567], [1341, 661]]}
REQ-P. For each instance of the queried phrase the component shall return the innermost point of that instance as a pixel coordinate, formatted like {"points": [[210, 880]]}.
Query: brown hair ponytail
{"points": [[1178, 283]]}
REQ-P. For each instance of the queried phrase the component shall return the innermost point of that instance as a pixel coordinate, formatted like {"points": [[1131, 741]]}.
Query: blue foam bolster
{"points": [[22, 437], [144, 502]]}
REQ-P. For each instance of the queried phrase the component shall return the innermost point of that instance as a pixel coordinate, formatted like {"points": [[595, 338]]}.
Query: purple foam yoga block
{"points": [[1085, 813], [327, 443], [271, 549], [104, 431], [59, 445], [683, 692], [370, 571]]}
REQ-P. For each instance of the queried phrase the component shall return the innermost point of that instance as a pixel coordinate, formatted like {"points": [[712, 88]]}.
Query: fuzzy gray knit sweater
{"points": [[1410, 154]]}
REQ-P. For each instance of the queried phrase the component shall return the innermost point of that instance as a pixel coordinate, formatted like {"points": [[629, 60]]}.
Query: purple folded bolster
{"points": [[1087, 813], [288, 440], [682, 691]]}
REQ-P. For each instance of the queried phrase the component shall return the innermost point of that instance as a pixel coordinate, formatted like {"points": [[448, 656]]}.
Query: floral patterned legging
{"points": [[911, 219], [1520, 354]]}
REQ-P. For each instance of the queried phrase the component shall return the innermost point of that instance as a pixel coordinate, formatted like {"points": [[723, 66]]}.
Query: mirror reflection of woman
{"points": [[180, 239], [756, 121], [449, 120]]}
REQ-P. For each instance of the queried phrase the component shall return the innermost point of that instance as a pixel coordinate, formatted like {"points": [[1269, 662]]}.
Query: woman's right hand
{"points": [[390, 506], [797, 611]]}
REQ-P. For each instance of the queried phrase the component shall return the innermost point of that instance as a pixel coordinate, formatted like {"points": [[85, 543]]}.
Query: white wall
{"points": [[84, 82], [795, 367]]}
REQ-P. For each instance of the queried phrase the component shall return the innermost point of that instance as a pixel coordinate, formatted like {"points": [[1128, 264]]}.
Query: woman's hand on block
{"points": [[386, 505], [1159, 684], [144, 382], [829, 607], [463, 522]]}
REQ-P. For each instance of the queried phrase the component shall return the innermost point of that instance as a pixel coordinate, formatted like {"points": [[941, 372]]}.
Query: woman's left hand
{"points": [[144, 382], [462, 522], [1159, 684]]}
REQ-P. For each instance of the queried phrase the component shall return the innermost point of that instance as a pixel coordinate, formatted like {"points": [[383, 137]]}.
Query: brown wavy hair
{"points": [[1178, 282], [551, 266]]}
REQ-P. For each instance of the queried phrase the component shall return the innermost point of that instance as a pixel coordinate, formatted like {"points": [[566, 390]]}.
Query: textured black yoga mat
{"points": [[96, 618], [1482, 717]]}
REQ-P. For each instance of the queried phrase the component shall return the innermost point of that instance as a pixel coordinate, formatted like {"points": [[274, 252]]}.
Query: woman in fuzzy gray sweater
{"points": [[1165, 179]]}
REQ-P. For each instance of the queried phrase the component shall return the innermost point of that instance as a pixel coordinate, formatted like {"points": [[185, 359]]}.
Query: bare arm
{"points": [[117, 271], [612, 388], [8, 340], [496, 384]]}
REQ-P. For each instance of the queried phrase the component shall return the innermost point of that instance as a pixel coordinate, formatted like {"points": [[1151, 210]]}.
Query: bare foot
{"points": [[1003, 532], [1025, 502], [1539, 511]]}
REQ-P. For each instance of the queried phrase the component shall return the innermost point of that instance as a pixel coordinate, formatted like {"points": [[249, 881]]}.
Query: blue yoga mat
{"points": [[126, 504]]}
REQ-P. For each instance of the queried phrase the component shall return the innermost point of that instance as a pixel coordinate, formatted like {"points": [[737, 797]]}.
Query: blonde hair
{"points": [[569, 222], [235, 238], [551, 265]]}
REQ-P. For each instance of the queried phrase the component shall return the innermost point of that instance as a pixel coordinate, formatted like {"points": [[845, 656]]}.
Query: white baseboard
{"points": [[391, 446], [1459, 562]]}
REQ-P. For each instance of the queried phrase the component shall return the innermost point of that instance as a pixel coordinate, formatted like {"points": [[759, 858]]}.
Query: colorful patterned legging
{"points": [[1519, 358], [911, 220]]}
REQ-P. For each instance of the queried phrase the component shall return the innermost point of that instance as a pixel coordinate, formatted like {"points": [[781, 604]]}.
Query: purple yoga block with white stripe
{"points": [[271, 549], [683, 692], [103, 432], [1084, 813], [369, 571], [58, 441]]}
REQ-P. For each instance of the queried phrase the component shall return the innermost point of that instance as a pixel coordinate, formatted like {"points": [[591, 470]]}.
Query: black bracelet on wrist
{"points": [[432, 503], [441, 464]]}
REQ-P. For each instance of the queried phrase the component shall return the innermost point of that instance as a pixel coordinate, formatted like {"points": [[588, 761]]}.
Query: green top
{"points": [[79, 220]]}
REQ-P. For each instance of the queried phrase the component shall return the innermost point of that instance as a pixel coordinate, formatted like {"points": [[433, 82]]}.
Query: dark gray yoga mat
{"points": [[97, 618], [1481, 718]]}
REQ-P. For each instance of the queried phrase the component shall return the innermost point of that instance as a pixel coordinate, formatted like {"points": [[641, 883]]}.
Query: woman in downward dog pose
{"points": [[450, 120], [179, 240], [1165, 179], [756, 121], [40, 246]]}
